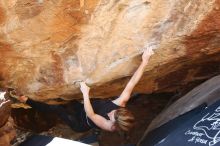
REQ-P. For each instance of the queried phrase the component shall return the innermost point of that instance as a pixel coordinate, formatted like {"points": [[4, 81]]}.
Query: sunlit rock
{"points": [[46, 46]]}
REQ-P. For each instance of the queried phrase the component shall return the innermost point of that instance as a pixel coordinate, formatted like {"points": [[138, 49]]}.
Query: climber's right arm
{"points": [[126, 94]]}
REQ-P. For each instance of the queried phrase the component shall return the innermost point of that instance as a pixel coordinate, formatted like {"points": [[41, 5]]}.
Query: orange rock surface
{"points": [[47, 46]]}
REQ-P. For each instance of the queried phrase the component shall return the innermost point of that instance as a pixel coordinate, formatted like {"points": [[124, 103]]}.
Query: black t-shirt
{"points": [[100, 107]]}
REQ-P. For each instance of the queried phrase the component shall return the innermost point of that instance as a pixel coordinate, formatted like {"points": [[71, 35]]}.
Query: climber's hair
{"points": [[124, 119]]}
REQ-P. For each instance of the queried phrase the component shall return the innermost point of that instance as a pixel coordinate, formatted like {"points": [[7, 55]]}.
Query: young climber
{"points": [[104, 114]]}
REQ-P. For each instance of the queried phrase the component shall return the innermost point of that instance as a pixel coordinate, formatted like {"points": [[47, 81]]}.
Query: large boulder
{"points": [[47, 46]]}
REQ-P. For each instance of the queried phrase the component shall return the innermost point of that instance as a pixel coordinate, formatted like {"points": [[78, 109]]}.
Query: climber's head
{"points": [[124, 119]]}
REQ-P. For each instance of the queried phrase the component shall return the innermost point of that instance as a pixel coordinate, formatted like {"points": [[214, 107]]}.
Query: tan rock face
{"points": [[46, 46]]}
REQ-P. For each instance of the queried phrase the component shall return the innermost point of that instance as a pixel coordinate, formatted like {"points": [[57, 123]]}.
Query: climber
{"points": [[103, 114]]}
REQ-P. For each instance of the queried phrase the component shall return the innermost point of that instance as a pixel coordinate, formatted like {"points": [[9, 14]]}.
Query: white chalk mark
{"points": [[40, 1], [210, 125], [4, 103], [2, 96]]}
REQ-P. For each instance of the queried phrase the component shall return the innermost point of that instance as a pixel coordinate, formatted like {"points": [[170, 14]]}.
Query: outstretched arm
{"points": [[97, 119], [126, 94]]}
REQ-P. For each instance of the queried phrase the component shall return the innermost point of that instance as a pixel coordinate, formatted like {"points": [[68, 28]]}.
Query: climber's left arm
{"points": [[126, 94]]}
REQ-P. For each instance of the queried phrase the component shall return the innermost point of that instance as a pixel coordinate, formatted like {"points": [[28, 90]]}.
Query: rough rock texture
{"points": [[7, 133], [46, 46], [5, 110], [7, 130]]}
